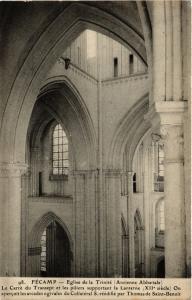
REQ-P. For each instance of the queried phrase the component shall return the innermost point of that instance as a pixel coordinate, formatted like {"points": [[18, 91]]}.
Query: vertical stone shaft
{"points": [[24, 221], [85, 224], [79, 223], [177, 57], [113, 224], [10, 177], [158, 51], [169, 51], [131, 231], [147, 212], [174, 202]]}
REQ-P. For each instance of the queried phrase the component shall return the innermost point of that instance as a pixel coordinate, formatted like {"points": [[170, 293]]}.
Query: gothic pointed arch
{"points": [[58, 244], [131, 128], [62, 29], [41, 224], [59, 100]]}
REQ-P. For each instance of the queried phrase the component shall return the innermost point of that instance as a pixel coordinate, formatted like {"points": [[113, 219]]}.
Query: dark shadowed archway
{"points": [[161, 267], [58, 244]]}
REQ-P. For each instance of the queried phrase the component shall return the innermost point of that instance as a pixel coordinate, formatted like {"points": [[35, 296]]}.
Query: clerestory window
{"points": [[60, 157], [158, 167], [160, 224], [160, 216], [134, 183], [115, 63]]}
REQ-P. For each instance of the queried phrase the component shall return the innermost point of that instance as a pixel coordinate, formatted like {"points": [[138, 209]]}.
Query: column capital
{"points": [[12, 169], [173, 140], [166, 113], [171, 132]]}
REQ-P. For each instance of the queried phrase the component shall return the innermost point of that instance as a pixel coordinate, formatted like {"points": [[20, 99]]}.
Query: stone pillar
{"points": [[169, 51], [125, 251], [85, 224], [24, 222], [10, 205], [187, 168], [91, 247], [174, 201], [33, 261], [102, 224], [147, 208], [131, 230], [177, 56], [34, 180], [168, 117], [159, 64], [141, 250], [112, 219]]}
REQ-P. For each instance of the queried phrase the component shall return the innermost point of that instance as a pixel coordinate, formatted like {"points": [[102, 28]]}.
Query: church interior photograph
{"points": [[95, 139]]}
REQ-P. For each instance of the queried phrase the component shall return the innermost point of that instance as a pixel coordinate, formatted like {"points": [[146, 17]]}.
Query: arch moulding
{"points": [[41, 224], [43, 54]]}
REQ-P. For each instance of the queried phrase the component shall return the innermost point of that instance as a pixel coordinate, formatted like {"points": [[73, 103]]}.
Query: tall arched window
{"points": [[60, 152], [160, 216], [134, 183], [158, 169], [55, 258], [43, 253], [160, 224]]}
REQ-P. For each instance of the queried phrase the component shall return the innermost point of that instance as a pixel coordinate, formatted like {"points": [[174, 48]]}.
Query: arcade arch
{"points": [[58, 244]]}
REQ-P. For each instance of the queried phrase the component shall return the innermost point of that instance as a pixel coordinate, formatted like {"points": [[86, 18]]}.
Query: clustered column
{"points": [[112, 192], [10, 192], [85, 224]]}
